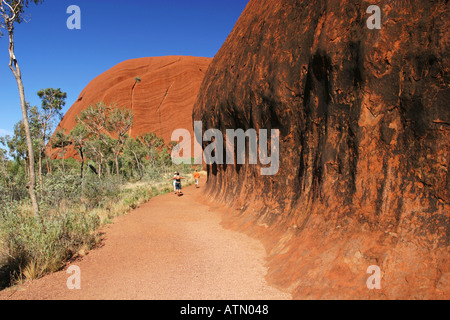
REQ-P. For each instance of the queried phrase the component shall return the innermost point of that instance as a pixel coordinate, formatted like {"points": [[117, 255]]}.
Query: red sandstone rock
{"points": [[162, 101], [364, 118]]}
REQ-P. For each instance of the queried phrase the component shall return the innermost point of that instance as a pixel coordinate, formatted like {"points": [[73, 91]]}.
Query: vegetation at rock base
{"points": [[113, 174]]}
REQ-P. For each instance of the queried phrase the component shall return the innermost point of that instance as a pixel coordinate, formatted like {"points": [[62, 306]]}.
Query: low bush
{"points": [[36, 246]]}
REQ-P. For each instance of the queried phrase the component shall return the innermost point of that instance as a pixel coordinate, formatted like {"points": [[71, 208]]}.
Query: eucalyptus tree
{"points": [[17, 144], [78, 136], [134, 155], [152, 144], [60, 140], [108, 127], [97, 151], [53, 100], [94, 118], [12, 13], [118, 123]]}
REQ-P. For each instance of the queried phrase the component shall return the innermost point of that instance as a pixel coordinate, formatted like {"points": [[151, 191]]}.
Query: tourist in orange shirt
{"points": [[196, 177]]}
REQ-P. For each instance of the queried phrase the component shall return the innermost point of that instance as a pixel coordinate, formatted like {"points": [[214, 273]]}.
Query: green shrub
{"points": [[42, 245], [57, 188]]}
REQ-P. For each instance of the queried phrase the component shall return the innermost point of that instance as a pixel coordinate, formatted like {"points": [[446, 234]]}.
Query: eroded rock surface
{"points": [[364, 119]]}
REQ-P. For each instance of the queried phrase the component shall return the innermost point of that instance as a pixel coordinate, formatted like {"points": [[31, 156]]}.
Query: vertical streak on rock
{"points": [[160, 105], [364, 150]]}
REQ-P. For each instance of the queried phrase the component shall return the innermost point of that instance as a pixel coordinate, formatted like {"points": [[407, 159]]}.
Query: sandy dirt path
{"points": [[172, 248]]}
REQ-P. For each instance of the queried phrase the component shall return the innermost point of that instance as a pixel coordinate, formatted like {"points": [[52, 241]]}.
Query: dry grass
{"points": [[30, 251]]}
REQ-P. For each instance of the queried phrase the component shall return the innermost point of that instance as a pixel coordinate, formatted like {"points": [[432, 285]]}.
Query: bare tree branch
{"points": [[12, 11], [15, 12], [8, 5]]}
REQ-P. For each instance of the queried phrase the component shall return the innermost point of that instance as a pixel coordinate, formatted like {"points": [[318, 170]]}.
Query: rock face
{"points": [[364, 122], [161, 102]]}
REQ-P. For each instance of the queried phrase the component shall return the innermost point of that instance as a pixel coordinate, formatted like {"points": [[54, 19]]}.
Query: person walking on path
{"points": [[175, 183], [197, 177], [177, 180]]}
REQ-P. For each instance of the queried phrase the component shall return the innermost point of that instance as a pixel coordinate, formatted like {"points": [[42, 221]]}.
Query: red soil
{"points": [[172, 248]]}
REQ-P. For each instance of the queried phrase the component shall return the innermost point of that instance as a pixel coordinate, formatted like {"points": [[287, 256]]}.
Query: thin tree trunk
{"points": [[26, 168], [99, 163], [82, 170], [63, 167], [40, 171], [82, 162], [108, 169], [14, 66], [138, 164], [117, 165], [42, 153], [49, 167]]}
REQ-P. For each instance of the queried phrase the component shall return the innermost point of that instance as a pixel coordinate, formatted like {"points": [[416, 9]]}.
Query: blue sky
{"points": [[51, 55]]}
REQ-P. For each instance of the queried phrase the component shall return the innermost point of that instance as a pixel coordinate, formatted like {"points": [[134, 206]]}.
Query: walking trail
{"points": [[172, 248]]}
